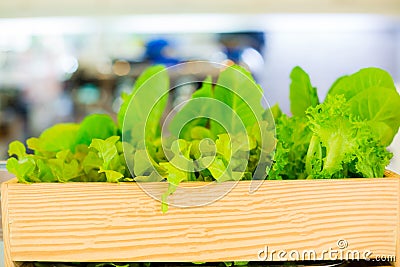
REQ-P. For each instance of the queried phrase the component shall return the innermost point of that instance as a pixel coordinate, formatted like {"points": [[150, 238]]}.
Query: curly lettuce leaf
{"points": [[21, 168], [344, 140], [293, 135], [112, 165], [64, 167], [371, 156]]}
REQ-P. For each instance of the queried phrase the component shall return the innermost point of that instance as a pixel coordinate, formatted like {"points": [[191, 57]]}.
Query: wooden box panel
{"points": [[76, 222]]}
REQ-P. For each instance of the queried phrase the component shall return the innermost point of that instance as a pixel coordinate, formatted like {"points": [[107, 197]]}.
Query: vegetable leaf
{"points": [[21, 168], [58, 137], [64, 167], [95, 126], [143, 108], [302, 93], [18, 149], [106, 149], [237, 89], [345, 139], [112, 176], [190, 130], [351, 85], [376, 105]]}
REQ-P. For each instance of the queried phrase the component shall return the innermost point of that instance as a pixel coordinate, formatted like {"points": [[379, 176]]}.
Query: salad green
{"points": [[346, 135]]}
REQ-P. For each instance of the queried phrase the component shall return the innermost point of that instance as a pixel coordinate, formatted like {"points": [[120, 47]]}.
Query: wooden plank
{"points": [[119, 222], [4, 176], [397, 263], [389, 173], [5, 223]]}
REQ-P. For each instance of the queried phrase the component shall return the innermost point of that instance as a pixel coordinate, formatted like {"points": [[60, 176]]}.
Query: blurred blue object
{"points": [[155, 52]]}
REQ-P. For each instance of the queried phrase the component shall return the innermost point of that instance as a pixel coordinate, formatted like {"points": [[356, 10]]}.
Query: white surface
{"points": [[195, 23], [328, 54], [23, 8], [395, 149]]}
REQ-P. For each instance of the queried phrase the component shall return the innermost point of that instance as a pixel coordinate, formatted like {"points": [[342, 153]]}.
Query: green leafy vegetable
{"points": [[21, 168], [294, 137], [342, 136], [195, 127], [56, 138], [144, 107], [236, 88], [18, 149], [364, 79], [345, 136], [95, 126], [223, 133], [302, 93], [376, 105], [372, 96]]}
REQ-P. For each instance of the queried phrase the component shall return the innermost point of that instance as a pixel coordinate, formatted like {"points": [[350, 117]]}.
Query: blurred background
{"points": [[62, 61]]}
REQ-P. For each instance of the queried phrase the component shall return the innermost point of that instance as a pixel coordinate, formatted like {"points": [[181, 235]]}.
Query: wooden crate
{"points": [[98, 222]]}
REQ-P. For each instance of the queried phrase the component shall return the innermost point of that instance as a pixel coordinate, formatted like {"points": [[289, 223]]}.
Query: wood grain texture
{"points": [[119, 222], [4, 176], [5, 225], [397, 263], [389, 173]]}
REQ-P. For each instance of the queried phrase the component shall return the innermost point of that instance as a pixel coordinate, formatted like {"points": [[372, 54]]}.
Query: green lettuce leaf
{"points": [[302, 93], [195, 127], [64, 166], [21, 168], [351, 85], [376, 105], [95, 126], [237, 89], [56, 138], [112, 165], [143, 108], [18, 149], [106, 149], [345, 140]]}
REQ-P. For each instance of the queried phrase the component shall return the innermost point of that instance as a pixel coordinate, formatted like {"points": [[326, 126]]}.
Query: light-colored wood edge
{"points": [[397, 262], [11, 181], [6, 230], [389, 173]]}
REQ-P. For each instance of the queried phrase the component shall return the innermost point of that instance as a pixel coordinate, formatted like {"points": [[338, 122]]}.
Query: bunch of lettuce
{"points": [[199, 148], [345, 136], [87, 152], [100, 150]]}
